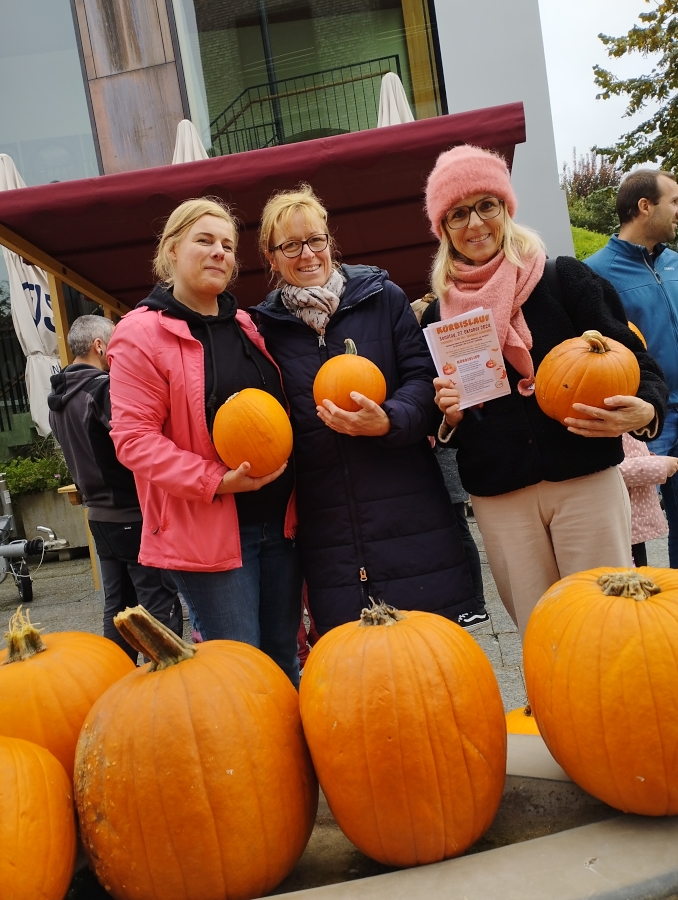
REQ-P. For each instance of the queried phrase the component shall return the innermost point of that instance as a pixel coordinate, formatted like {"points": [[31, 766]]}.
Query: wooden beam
{"points": [[38, 257], [56, 293]]}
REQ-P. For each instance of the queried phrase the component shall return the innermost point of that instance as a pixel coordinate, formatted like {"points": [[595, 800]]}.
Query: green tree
{"points": [[657, 137], [590, 186]]}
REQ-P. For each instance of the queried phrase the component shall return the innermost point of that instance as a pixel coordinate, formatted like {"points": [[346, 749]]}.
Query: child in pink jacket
{"points": [[642, 471]]}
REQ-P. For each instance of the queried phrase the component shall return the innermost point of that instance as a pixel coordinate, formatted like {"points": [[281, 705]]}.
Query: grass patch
{"points": [[586, 243]]}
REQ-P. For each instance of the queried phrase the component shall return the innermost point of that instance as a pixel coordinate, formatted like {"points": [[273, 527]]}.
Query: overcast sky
{"points": [[572, 48]]}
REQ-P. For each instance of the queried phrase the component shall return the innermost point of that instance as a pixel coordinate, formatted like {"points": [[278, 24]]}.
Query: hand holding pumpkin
{"points": [[238, 481], [447, 401], [625, 414], [369, 421]]}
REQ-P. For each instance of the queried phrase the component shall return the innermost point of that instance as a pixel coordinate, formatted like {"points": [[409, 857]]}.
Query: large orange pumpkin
{"points": [[405, 724], [251, 426], [340, 375], [37, 823], [192, 775], [49, 682], [638, 333], [601, 668], [586, 370]]}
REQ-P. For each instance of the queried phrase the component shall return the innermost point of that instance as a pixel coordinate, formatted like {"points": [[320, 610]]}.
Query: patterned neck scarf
{"points": [[315, 305]]}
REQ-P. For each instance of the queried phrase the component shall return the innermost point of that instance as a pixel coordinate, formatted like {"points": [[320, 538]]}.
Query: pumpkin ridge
{"points": [[471, 660], [641, 616], [184, 679], [409, 636]]}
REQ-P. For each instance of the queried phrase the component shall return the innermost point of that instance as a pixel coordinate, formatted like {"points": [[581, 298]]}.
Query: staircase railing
{"points": [[331, 101]]}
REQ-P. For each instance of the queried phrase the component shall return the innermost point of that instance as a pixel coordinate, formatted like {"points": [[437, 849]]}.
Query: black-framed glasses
{"points": [[460, 216], [316, 243]]}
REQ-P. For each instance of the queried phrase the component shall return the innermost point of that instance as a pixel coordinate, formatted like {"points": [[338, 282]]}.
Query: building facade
{"points": [[99, 86]]}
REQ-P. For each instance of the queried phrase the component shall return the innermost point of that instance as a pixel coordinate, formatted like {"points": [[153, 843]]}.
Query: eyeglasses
{"points": [[460, 216], [291, 249]]}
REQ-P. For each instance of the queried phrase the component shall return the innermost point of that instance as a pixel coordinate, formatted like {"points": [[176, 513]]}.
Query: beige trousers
{"points": [[537, 535]]}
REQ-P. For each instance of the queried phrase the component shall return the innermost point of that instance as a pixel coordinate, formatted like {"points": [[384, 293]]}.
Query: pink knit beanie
{"points": [[461, 172]]}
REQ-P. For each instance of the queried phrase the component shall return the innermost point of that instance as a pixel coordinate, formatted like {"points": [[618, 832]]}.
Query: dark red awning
{"points": [[372, 183]]}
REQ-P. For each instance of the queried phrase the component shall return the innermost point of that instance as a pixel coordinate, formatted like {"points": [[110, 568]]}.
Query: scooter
{"points": [[13, 553]]}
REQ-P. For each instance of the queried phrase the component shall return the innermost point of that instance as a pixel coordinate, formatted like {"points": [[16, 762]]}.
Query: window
{"points": [[265, 72]]}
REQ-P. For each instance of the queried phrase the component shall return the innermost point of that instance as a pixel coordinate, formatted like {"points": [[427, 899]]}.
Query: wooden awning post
{"points": [[56, 292]]}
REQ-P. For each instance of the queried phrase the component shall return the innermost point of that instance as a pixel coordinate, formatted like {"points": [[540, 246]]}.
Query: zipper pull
{"points": [[363, 574], [321, 340]]}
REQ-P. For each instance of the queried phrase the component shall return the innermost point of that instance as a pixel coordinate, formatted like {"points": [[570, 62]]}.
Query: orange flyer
{"points": [[466, 350]]}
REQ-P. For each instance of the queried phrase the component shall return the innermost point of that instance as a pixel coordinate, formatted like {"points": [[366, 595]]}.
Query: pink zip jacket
{"points": [[160, 432], [641, 472]]}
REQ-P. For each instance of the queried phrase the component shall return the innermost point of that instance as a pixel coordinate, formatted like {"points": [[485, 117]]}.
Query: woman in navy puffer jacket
{"points": [[374, 517]]}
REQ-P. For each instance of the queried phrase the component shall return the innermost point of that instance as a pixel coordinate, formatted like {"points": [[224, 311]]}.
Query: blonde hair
{"points": [[179, 222], [520, 243], [279, 210]]}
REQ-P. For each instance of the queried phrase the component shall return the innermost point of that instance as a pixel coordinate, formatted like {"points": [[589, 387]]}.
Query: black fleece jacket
{"points": [[80, 417], [510, 443]]}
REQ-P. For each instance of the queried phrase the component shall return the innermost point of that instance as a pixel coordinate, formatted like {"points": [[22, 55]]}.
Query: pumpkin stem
{"points": [[379, 614], [596, 342], [351, 349], [528, 710], [628, 584], [156, 641], [23, 638]]}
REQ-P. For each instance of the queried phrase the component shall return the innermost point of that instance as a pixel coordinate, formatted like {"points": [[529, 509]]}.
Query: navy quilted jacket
{"points": [[374, 516]]}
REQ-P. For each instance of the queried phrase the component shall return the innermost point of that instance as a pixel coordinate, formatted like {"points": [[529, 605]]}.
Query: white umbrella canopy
{"points": [[32, 316], [188, 146], [393, 106]]}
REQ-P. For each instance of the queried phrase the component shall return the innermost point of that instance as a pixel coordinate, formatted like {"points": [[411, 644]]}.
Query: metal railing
{"points": [[332, 101], [13, 393]]}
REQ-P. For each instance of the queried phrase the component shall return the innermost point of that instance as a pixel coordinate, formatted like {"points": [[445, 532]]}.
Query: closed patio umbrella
{"points": [[188, 146], [32, 316], [393, 106]]}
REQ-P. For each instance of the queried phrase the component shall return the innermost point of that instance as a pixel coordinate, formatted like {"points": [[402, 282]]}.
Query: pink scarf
{"points": [[501, 286]]}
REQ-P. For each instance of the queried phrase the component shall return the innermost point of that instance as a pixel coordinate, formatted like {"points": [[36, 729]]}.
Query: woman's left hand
{"points": [[625, 414], [369, 421]]}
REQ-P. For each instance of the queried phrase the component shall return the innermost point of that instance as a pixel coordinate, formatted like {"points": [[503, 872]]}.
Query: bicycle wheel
{"points": [[23, 581]]}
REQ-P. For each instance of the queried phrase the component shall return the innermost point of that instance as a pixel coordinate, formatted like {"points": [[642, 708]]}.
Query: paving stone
{"points": [[490, 646], [511, 648], [512, 687]]}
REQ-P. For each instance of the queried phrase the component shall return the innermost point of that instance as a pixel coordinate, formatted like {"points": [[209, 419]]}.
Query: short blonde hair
{"points": [[178, 223], [279, 210], [520, 243]]}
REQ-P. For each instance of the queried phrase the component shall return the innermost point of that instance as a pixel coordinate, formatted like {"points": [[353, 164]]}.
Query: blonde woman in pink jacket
{"points": [[642, 471], [227, 538]]}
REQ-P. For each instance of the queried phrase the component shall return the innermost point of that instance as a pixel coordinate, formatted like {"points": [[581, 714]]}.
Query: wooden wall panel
{"points": [[124, 34], [132, 78], [137, 115], [422, 59]]}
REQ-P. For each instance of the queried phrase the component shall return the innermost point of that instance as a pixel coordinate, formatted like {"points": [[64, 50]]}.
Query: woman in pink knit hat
{"points": [[548, 498]]}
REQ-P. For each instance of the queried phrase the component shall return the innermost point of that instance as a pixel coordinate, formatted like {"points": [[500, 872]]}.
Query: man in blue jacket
{"points": [[645, 273]]}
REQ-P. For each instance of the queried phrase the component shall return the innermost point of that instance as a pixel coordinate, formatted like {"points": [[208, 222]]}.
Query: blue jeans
{"points": [[259, 603], [667, 445]]}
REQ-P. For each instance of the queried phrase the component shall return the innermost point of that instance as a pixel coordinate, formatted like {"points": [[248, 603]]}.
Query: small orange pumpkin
{"points": [[638, 333], [49, 682], [192, 775], [405, 724], [340, 375], [37, 823], [251, 426], [586, 370], [601, 669]]}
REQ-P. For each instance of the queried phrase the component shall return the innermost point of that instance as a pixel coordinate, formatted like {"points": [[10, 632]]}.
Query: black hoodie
{"points": [[80, 413], [232, 363]]}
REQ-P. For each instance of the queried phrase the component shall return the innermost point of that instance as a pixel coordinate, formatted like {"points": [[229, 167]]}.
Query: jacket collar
{"points": [[632, 251]]}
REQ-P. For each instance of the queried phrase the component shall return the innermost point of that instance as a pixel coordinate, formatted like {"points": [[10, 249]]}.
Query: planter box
{"points": [[53, 510]]}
